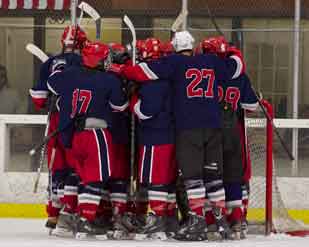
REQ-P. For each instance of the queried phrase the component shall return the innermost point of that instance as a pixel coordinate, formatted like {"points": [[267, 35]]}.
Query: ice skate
{"points": [[193, 229], [86, 230], [51, 222], [66, 225], [154, 228], [235, 233], [172, 226], [244, 229], [222, 225], [123, 227]]}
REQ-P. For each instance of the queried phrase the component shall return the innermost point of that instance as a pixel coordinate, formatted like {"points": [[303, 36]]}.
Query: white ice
{"points": [[31, 233]]}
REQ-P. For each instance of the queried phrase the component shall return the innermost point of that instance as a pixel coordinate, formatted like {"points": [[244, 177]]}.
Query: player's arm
{"points": [[118, 100], [39, 93], [248, 99], [158, 69], [54, 82], [150, 101], [232, 67]]}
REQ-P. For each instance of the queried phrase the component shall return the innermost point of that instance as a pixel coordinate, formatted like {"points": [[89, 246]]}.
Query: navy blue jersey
{"points": [[90, 93], [238, 94], [194, 81], [57, 62], [120, 127], [154, 110]]}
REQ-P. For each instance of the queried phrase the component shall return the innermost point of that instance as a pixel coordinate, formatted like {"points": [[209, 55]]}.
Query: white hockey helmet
{"points": [[183, 41]]}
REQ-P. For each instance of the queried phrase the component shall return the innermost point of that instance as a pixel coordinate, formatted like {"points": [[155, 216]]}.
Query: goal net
{"points": [[276, 204]]}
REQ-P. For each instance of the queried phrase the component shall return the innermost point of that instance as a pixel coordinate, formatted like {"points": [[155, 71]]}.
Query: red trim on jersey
{"points": [[39, 103], [135, 73]]}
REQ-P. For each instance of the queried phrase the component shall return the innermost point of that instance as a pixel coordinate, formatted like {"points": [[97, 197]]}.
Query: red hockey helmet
{"points": [[151, 49], [119, 54], [73, 37], [217, 45], [166, 48], [96, 54]]}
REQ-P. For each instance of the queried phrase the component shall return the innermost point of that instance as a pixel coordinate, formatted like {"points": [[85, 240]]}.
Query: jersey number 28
{"points": [[83, 96], [197, 76]]}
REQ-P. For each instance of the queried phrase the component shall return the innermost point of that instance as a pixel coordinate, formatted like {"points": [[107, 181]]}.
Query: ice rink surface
{"points": [[32, 233]]}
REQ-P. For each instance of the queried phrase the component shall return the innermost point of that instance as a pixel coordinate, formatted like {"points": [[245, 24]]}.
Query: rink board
{"points": [[38, 211]]}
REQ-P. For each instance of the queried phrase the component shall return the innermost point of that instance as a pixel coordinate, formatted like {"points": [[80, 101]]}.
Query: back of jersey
{"points": [[195, 83], [86, 92]]}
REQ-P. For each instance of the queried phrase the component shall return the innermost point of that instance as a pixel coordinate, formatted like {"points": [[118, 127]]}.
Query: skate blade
{"points": [[190, 237], [235, 236], [152, 236], [243, 235], [121, 235], [214, 236], [86, 236], [140, 236], [62, 232]]}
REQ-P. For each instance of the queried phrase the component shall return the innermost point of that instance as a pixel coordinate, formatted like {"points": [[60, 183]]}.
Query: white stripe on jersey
{"points": [[137, 110], [119, 108], [250, 107], [239, 67], [99, 153], [148, 71]]}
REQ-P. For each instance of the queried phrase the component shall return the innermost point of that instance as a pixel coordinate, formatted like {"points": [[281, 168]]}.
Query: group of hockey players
{"points": [[188, 104]]}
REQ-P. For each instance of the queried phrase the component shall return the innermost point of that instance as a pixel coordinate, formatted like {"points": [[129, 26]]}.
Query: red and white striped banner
{"points": [[35, 4]]}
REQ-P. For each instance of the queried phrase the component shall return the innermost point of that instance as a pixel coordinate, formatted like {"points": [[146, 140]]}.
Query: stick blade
{"points": [[89, 10], [179, 20], [36, 51]]}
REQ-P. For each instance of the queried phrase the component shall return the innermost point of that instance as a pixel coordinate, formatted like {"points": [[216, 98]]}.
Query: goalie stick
{"points": [[85, 7], [37, 52], [130, 25], [288, 152]]}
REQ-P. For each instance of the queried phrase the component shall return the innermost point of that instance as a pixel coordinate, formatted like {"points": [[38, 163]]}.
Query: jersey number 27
{"points": [[83, 96], [197, 76]]}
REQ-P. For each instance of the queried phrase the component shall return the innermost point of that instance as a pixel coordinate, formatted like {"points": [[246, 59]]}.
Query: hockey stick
{"points": [[288, 152], [130, 25], [42, 154], [37, 52], [178, 22], [47, 138], [85, 7]]}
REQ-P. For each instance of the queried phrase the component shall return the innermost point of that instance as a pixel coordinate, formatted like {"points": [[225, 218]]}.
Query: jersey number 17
{"points": [[83, 96]]}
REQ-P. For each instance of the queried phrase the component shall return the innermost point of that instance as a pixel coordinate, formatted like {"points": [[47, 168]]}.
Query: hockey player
{"points": [[88, 95], [157, 165], [194, 80], [58, 159], [235, 96]]}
